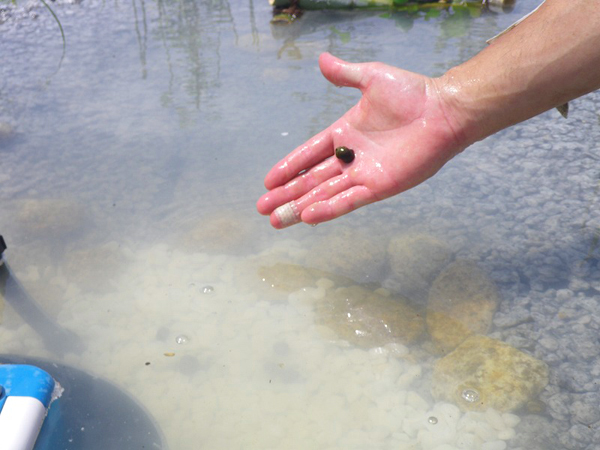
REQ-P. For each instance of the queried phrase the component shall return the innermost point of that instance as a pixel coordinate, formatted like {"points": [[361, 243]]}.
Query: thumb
{"points": [[341, 73]]}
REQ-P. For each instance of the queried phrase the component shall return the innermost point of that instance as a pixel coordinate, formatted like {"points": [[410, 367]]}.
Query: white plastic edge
{"points": [[21, 419]]}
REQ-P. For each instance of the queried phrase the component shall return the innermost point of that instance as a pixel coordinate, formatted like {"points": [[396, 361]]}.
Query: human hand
{"points": [[398, 130]]}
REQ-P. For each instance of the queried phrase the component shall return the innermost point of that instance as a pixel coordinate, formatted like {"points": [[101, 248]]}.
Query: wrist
{"points": [[466, 111]]}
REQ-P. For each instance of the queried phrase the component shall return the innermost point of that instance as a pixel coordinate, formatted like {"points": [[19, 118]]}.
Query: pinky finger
{"points": [[337, 206]]}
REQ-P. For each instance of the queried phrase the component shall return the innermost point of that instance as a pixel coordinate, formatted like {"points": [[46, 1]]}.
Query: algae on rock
{"points": [[486, 373]]}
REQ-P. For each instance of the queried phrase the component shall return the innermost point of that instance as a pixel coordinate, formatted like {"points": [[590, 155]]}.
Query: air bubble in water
{"points": [[432, 420], [207, 289], [470, 395], [182, 339]]}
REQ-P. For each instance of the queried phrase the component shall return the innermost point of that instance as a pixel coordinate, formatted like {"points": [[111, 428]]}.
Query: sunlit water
{"points": [[127, 197]]}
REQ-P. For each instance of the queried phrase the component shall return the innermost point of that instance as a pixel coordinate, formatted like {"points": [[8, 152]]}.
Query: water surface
{"points": [[127, 200]]}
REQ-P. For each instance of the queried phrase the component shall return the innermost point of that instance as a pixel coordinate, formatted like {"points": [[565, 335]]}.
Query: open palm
{"points": [[398, 131]]}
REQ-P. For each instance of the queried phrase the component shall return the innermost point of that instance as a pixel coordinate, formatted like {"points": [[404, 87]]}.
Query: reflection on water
{"points": [[127, 189]]}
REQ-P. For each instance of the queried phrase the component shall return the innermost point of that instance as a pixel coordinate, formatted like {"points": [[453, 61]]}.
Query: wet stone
{"points": [[369, 319], [578, 434], [289, 277], [219, 232], [350, 254], [56, 218], [462, 302], [534, 433], [575, 377], [95, 268], [189, 365], [585, 410], [558, 406], [7, 132], [485, 373], [162, 334], [584, 345], [415, 261]]}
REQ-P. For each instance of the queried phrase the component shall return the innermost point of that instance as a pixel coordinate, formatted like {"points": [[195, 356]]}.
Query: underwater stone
{"points": [[51, 217], [95, 268], [504, 378], [189, 365], [462, 302], [585, 409], [219, 232], [415, 260], [368, 319], [349, 253], [162, 334], [287, 277], [7, 132]]}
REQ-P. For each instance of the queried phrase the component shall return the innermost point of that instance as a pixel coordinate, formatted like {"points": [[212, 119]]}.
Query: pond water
{"points": [[128, 184]]}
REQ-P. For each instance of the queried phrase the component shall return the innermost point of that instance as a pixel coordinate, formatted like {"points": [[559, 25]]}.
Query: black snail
{"points": [[345, 154]]}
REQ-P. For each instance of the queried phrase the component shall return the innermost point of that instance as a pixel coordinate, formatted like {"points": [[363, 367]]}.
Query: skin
{"points": [[406, 126]]}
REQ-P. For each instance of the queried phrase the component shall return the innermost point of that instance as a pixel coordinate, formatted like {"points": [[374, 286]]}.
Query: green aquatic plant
{"points": [[57, 20], [62, 33]]}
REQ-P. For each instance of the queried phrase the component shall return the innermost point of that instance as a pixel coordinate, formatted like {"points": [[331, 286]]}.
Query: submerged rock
{"points": [[7, 132], [287, 277], [370, 319], [415, 260], [95, 269], [349, 253], [51, 218], [462, 302], [486, 373], [218, 233]]}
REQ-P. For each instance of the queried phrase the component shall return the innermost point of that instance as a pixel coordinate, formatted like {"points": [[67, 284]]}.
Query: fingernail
{"points": [[287, 214]]}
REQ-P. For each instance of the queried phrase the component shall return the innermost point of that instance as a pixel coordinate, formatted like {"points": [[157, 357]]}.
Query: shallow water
{"points": [[127, 200]]}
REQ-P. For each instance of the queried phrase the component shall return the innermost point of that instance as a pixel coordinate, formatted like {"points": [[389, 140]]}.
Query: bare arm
{"points": [[407, 126], [553, 56]]}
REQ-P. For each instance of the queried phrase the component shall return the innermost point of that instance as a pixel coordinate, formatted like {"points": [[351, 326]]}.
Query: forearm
{"points": [[551, 57]]}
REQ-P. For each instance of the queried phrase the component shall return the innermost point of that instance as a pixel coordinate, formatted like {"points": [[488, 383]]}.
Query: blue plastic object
{"points": [[26, 395], [91, 413], [23, 380]]}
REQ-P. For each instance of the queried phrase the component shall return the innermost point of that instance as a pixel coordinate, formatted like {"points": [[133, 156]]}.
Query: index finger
{"points": [[302, 158]]}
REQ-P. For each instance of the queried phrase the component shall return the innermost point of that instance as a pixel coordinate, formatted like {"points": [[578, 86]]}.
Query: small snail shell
{"points": [[345, 154]]}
